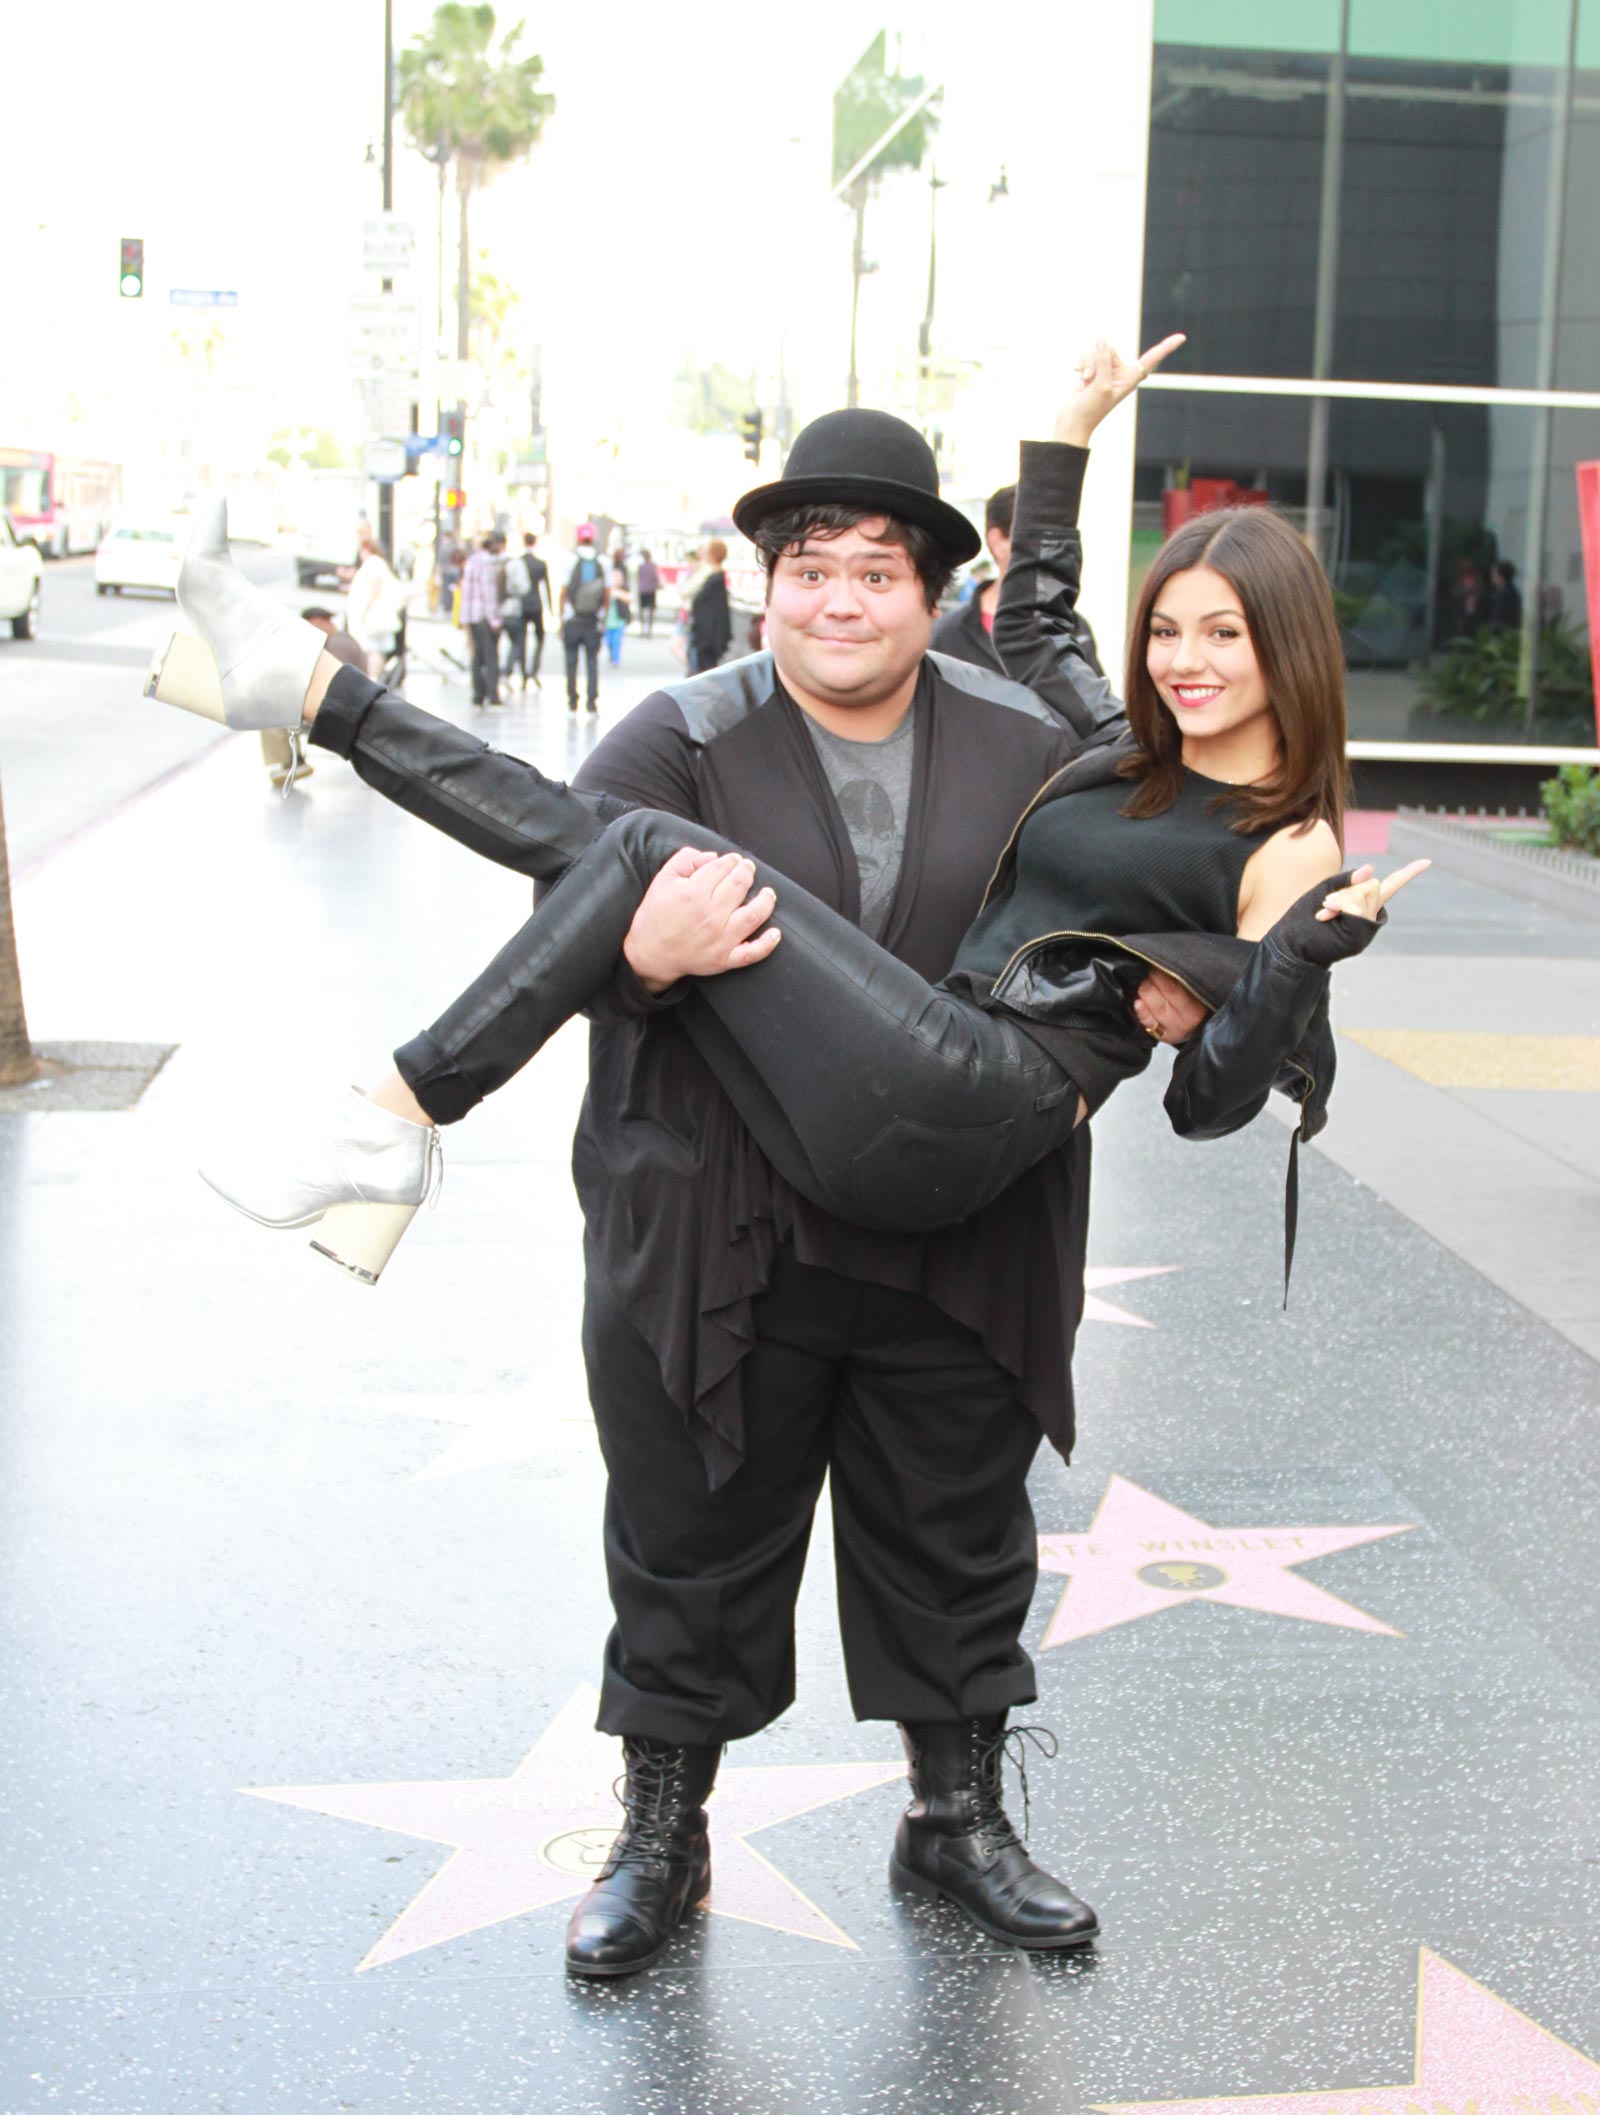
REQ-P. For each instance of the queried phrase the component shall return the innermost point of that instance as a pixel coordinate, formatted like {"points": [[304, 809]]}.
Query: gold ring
{"points": [[1154, 1034]]}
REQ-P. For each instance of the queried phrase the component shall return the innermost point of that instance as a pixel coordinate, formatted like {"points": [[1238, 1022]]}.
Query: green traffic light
{"points": [[132, 286]]}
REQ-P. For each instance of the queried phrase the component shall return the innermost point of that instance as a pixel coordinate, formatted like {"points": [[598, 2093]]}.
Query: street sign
{"points": [[385, 460], [387, 245], [528, 472], [204, 297], [386, 398], [386, 333]]}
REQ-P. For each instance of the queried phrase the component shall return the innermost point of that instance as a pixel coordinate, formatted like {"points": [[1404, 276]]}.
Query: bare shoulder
{"points": [[1280, 871]]}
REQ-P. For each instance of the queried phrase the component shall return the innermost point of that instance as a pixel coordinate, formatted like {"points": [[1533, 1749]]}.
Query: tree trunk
{"points": [[17, 1061]]}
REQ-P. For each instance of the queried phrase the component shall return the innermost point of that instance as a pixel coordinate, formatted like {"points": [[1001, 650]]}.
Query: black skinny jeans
{"points": [[879, 1096]]}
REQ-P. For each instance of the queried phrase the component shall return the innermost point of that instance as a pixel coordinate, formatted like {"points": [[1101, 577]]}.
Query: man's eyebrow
{"points": [[873, 551]]}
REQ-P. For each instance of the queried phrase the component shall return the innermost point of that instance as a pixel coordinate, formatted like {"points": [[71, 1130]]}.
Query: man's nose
{"points": [[843, 598]]}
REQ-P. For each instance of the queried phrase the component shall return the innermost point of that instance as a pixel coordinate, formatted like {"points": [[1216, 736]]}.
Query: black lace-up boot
{"points": [[956, 1840], [659, 1866]]}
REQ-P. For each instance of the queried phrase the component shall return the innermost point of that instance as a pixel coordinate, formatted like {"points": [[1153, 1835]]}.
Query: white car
{"points": [[141, 554], [21, 568]]}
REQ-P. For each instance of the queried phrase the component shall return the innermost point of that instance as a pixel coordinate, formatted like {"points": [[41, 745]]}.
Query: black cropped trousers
{"points": [[885, 1099]]}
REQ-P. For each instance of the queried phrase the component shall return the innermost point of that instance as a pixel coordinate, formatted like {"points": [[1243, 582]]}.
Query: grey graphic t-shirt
{"points": [[871, 781]]}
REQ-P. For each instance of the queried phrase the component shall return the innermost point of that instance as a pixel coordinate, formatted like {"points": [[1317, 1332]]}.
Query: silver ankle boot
{"points": [[252, 663], [357, 1173]]}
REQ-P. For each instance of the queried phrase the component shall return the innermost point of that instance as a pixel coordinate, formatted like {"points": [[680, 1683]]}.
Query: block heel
{"points": [[361, 1238], [183, 673]]}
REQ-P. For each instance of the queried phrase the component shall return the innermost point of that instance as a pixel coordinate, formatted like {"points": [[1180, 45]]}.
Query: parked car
{"points": [[21, 569], [143, 553]]}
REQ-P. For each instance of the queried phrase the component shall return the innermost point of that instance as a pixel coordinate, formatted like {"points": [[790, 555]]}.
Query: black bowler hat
{"points": [[864, 458]]}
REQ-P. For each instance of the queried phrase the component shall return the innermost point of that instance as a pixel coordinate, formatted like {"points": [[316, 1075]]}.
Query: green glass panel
{"points": [[1464, 32], [1250, 25]]}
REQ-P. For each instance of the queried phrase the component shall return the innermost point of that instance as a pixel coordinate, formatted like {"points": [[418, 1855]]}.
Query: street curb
{"points": [[1556, 881]]}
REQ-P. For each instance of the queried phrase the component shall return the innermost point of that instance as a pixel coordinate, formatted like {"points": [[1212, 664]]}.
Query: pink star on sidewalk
{"points": [[1141, 1555], [1474, 2051], [542, 1834], [1102, 1310]]}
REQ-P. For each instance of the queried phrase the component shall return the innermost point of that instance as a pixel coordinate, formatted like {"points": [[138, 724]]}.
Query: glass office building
{"points": [[1379, 222]]}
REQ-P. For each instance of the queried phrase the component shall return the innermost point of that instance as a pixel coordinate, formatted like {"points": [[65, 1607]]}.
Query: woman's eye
{"points": [[1224, 631]]}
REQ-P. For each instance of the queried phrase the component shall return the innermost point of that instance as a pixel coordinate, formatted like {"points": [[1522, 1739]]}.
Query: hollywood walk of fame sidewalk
{"points": [[304, 1602]]}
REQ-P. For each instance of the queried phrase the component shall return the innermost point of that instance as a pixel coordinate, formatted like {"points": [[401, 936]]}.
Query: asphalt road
{"points": [[76, 737]]}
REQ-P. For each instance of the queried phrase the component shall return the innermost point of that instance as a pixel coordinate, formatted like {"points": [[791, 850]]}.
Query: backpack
{"points": [[586, 590]]}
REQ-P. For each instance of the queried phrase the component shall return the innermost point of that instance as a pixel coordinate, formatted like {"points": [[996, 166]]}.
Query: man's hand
{"points": [[1166, 1010], [694, 920]]}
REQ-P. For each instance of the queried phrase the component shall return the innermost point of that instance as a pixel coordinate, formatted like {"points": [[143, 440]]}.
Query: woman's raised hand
{"points": [[1105, 377], [1366, 894]]}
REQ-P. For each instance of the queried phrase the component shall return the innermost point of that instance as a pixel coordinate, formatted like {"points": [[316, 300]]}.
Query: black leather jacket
{"points": [[1268, 1024]]}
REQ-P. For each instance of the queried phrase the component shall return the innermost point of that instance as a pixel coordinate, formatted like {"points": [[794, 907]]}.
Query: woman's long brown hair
{"points": [[1287, 605]]}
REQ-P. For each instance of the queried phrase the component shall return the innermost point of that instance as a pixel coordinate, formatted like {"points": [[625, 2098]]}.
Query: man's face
{"points": [[847, 620], [999, 542]]}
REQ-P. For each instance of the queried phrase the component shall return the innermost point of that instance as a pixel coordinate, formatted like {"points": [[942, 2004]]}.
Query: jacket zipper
{"points": [[1045, 939]]}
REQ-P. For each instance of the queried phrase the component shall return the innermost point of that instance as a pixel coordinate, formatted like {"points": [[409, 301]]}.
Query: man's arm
{"points": [[647, 761]]}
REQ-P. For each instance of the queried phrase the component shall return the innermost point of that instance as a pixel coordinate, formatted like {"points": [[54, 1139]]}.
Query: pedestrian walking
{"points": [[584, 602], [618, 611], [480, 617], [527, 580], [373, 604], [710, 623], [649, 585]]}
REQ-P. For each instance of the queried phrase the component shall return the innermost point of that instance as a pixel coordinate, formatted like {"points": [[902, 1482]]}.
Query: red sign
{"points": [[1589, 519]]}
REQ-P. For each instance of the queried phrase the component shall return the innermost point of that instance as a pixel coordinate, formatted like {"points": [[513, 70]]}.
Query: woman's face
{"points": [[1200, 658]]}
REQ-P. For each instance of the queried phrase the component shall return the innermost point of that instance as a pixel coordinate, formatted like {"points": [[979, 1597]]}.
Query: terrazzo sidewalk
{"points": [[304, 1599]]}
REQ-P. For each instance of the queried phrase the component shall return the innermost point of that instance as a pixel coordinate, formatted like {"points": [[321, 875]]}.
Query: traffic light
{"points": [[453, 432], [751, 425], [130, 281], [454, 500]]}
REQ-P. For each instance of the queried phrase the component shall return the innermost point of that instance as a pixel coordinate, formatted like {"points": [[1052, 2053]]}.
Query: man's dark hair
{"points": [[1001, 509], [315, 614], [787, 531], [528, 539]]}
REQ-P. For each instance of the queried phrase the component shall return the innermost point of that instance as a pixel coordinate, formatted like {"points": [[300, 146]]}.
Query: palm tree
{"points": [[465, 104], [17, 1061]]}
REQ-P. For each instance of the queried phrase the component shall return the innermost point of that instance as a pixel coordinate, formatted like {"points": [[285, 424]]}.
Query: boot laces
{"points": [[1009, 1743], [650, 1793]]}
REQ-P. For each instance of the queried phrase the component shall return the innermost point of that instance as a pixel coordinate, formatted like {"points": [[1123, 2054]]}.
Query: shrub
{"points": [[1572, 803], [1477, 679]]}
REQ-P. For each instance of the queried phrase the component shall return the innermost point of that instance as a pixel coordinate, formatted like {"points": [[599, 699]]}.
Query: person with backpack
{"points": [[527, 577], [584, 602]]}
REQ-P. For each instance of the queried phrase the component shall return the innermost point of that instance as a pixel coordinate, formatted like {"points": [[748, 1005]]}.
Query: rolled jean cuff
{"points": [[350, 697], [435, 1079]]}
